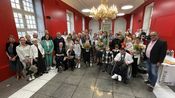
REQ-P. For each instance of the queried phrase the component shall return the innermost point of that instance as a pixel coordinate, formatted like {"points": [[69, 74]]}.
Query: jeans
{"points": [[152, 72]]}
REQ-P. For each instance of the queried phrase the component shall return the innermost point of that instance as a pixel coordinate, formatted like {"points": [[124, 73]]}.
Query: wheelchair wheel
{"points": [[129, 72]]}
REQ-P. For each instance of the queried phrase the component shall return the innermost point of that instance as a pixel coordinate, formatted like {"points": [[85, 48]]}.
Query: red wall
{"points": [[139, 16], [128, 20], [56, 9], [163, 19], [7, 27]]}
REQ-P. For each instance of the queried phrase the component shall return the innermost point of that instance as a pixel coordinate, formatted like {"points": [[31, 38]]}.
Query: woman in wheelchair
{"points": [[60, 56], [123, 62]]}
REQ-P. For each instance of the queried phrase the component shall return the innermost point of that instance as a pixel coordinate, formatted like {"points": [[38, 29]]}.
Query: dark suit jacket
{"points": [[56, 42], [158, 52], [63, 51]]}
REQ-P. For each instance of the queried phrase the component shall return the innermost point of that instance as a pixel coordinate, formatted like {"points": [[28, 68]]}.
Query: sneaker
{"points": [[33, 77], [150, 87], [147, 82], [30, 79], [60, 69], [119, 78], [115, 76], [76, 66], [52, 68], [90, 64]]}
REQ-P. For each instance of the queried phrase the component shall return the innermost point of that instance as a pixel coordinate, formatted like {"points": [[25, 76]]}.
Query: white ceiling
{"points": [[81, 4]]}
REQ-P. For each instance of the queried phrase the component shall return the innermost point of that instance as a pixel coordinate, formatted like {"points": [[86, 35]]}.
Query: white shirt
{"points": [[23, 52], [149, 48], [129, 46], [128, 58], [77, 49], [69, 44], [34, 51]]}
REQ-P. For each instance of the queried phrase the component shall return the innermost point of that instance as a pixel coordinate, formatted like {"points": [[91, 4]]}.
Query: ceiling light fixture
{"points": [[120, 14], [103, 11], [127, 7], [86, 10]]}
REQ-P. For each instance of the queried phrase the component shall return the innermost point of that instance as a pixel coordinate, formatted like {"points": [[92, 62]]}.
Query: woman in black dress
{"points": [[13, 58]]}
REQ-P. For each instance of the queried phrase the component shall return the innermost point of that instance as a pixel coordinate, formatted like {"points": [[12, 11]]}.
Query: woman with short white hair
{"points": [[37, 54]]}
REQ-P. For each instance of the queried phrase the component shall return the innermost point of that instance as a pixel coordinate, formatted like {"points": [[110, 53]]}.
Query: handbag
{"points": [[33, 68]]}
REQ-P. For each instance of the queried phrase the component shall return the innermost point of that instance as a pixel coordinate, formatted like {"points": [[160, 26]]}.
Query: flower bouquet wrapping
{"points": [[100, 45], [87, 45], [138, 47]]}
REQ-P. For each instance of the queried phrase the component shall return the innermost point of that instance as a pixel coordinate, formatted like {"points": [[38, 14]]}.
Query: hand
{"points": [[26, 61], [10, 58], [13, 59], [158, 64], [65, 58], [126, 63], [35, 60]]}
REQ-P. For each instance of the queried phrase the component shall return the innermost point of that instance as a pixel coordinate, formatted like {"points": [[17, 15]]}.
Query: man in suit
{"points": [[155, 54], [57, 40]]}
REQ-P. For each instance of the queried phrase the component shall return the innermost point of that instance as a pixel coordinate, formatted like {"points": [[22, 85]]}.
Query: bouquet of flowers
{"points": [[100, 44], [87, 45], [138, 47]]}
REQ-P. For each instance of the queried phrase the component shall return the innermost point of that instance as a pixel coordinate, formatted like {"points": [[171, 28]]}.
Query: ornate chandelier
{"points": [[103, 11]]}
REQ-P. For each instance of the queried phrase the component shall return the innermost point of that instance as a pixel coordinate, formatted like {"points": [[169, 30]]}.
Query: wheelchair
{"points": [[128, 72]]}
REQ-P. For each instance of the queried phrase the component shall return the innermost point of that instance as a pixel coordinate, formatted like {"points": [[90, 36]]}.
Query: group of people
{"points": [[35, 57]]}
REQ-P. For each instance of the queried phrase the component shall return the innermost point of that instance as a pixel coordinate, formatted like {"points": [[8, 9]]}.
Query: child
{"points": [[87, 47], [99, 51], [116, 50], [107, 59], [77, 50]]}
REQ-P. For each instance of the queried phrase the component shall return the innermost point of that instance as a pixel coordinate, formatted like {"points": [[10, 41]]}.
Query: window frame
{"points": [[24, 12], [70, 20]]}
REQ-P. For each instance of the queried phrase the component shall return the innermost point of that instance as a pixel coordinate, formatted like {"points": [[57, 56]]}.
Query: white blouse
{"points": [[34, 50], [77, 49], [23, 52], [128, 58]]}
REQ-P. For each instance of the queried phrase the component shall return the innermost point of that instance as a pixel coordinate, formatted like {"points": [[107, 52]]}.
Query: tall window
{"points": [[70, 22], [83, 23], [24, 16]]}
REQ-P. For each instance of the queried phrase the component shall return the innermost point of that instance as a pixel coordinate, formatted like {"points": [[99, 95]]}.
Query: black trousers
{"points": [[87, 56], [121, 70], [70, 63], [40, 63], [60, 62], [134, 67]]}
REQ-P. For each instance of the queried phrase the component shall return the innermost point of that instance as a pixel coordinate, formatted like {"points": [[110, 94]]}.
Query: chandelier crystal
{"points": [[103, 11]]}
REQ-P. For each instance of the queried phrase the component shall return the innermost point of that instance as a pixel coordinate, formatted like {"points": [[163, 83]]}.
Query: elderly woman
{"points": [[28, 39], [60, 55], [37, 54], [23, 51], [71, 57], [12, 55], [48, 49], [69, 43]]}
